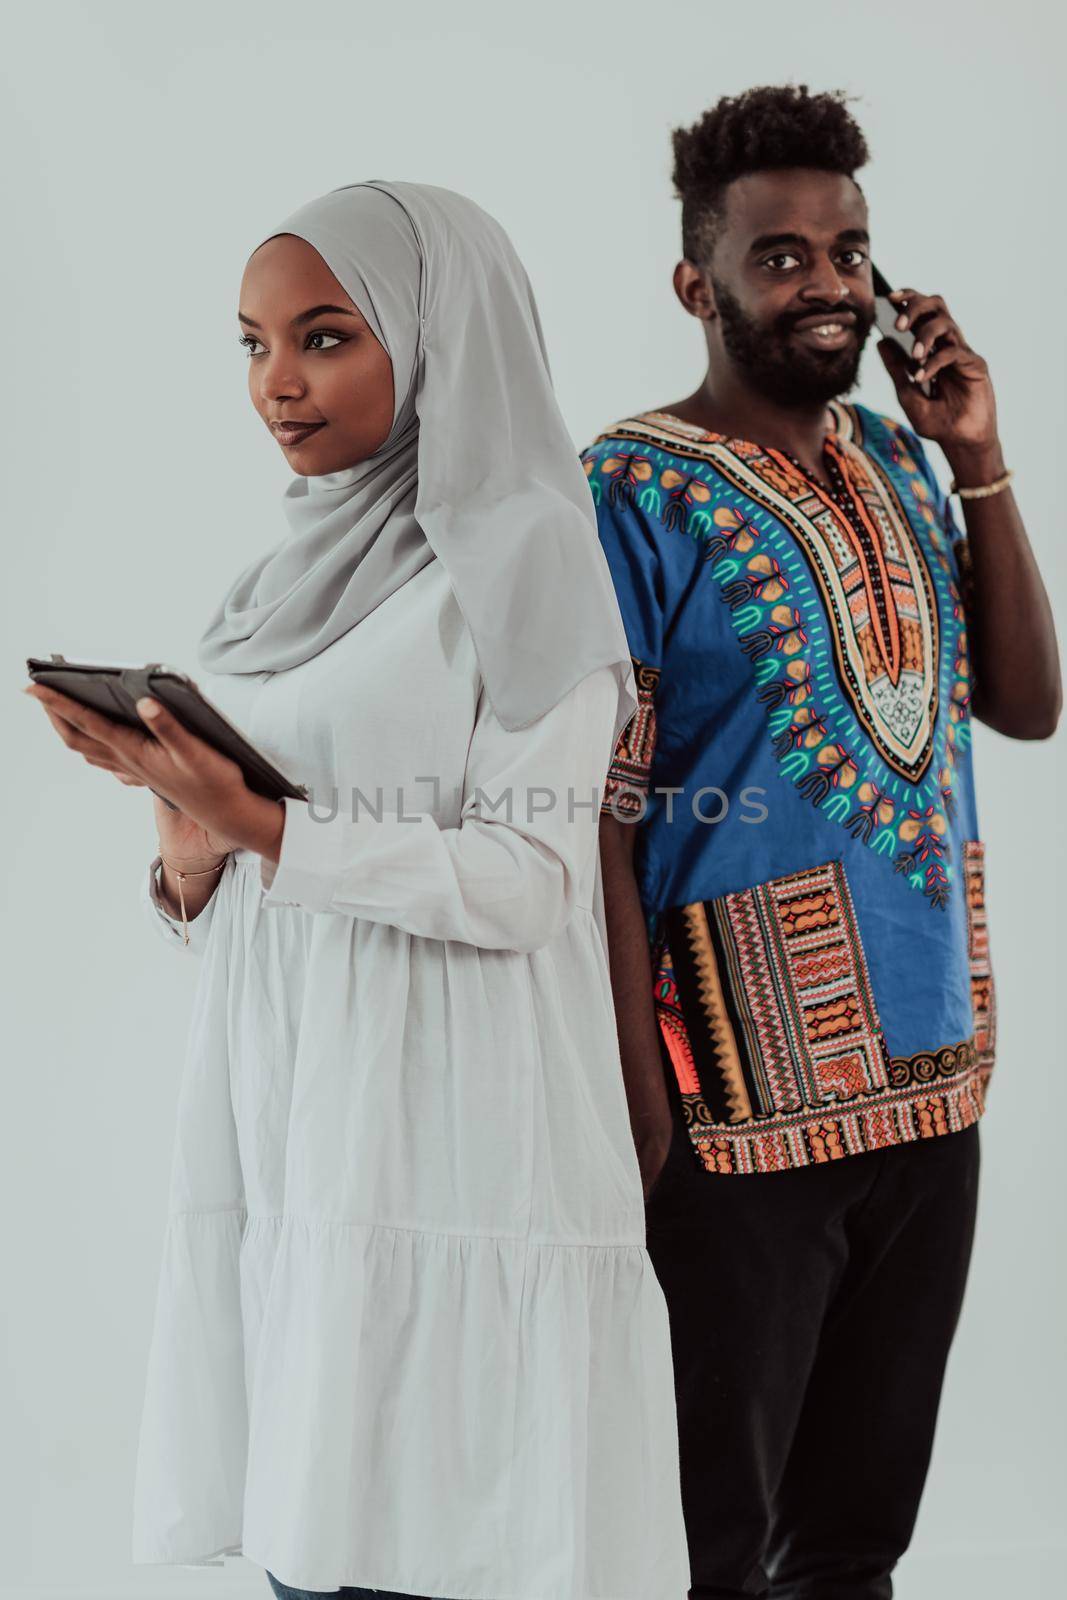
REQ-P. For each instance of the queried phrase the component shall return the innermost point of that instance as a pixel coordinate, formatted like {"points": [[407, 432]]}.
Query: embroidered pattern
{"points": [[776, 978], [876, 590], [931, 1066], [626, 786], [768, 1019], [983, 988], [807, 1138], [854, 628]]}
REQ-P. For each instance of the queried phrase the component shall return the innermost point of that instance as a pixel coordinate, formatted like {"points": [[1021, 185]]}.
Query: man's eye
{"points": [[321, 333], [853, 258], [782, 262]]}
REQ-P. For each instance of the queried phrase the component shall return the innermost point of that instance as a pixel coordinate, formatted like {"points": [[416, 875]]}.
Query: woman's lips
{"points": [[290, 433]]}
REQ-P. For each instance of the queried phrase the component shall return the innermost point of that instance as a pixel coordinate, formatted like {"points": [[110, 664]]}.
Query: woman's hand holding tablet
{"points": [[212, 807]]}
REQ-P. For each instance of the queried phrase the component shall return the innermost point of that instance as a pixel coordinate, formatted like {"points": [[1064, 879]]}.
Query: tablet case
{"points": [[114, 690]]}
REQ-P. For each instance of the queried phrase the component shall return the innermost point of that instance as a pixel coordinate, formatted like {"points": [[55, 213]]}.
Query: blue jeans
{"points": [[283, 1592]]}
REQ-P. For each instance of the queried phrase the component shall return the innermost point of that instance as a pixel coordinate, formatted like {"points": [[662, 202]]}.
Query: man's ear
{"points": [[693, 288]]}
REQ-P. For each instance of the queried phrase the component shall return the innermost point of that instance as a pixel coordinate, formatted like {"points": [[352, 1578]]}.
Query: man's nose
{"points": [[824, 281]]}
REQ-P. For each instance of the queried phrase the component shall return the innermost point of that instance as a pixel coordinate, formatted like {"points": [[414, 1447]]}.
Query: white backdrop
{"points": [[145, 153]]}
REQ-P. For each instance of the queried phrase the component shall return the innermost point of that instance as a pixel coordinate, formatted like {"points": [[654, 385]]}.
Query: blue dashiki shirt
{"points": [[819, 953]]}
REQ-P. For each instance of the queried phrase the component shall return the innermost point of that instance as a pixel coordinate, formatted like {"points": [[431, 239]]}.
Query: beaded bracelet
{"points": [[983, 490]]}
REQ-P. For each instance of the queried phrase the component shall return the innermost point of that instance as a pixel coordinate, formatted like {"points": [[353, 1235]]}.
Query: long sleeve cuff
{"points": [[306, 872]]}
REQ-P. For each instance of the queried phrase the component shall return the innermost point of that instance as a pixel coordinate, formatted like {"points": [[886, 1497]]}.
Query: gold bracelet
{"points": [[983, 490], [181, 877]]}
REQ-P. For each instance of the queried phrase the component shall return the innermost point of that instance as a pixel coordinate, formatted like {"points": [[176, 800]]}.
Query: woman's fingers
{"points": [[91, 724], [96, 754], [76, 738], [109, 766], [165, 757], [164, 726], [190, 754]]}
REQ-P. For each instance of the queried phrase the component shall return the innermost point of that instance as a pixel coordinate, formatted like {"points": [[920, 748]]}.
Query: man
{"points": [[793, 869]]}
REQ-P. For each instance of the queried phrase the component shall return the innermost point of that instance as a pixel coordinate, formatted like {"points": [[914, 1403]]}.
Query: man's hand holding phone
{"points": [[959, 413]]}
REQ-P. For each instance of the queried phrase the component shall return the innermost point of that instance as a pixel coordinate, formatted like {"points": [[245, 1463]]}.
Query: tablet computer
{"points": [[113, 688]]}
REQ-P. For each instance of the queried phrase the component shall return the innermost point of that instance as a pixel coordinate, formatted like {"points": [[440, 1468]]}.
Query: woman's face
{"points": [[312, 360]]}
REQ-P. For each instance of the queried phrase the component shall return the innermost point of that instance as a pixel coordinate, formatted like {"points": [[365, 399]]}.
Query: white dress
{"points": [[407, 1334]]}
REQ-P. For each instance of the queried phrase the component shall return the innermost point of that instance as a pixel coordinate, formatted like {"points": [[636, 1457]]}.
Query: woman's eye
{"points": [[315, 341]]}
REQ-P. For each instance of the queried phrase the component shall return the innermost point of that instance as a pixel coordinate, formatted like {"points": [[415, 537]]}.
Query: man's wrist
{"points": [[974, 466]]}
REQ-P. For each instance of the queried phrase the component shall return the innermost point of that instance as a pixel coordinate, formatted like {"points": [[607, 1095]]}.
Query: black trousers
{"points": [[811, 1317]]}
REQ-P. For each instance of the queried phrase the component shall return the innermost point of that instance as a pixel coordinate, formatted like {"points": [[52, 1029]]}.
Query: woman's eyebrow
{"points": [[301, 317]]}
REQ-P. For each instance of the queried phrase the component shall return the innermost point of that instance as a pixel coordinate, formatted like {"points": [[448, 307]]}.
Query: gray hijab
{"points": [[478, 470]]}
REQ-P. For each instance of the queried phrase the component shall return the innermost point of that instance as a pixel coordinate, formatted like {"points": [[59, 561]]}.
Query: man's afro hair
{"points": [[772, 126]]}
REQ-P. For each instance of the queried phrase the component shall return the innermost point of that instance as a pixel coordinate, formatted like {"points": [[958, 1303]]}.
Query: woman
{"points": [[407, 1335]]}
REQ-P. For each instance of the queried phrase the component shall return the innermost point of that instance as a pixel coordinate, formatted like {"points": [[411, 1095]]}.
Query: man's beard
{"points": [[778, 369]]}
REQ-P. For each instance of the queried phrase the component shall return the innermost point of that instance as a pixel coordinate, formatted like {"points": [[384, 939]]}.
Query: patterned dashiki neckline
{"points": [[844, 499]]}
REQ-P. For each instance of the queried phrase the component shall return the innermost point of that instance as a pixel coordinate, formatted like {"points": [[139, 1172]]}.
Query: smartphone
{"points": [[885, 318]]}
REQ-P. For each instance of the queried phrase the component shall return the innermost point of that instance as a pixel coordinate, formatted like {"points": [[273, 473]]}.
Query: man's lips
{"points": [[292, 432], [825, 330], [814, 319]]}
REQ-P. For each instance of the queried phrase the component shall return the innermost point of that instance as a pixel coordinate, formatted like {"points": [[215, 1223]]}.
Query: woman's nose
{"points": [[279, 381]]}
